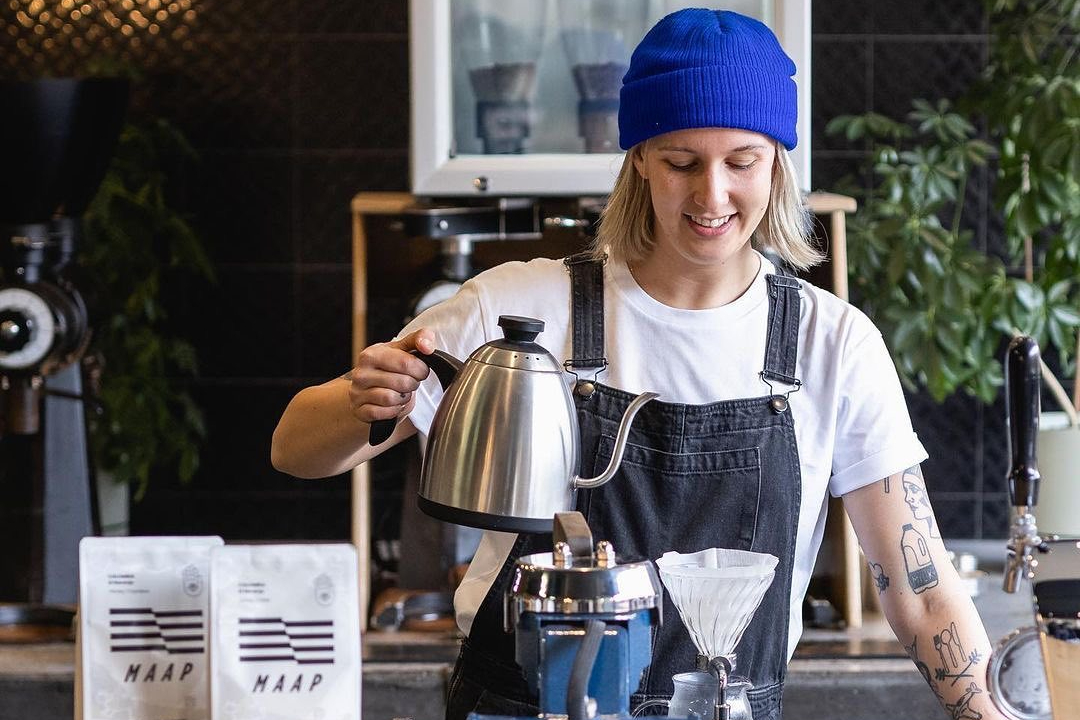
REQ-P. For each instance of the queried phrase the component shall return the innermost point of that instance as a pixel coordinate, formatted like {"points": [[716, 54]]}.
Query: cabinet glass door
{"points": [[521, 97]]}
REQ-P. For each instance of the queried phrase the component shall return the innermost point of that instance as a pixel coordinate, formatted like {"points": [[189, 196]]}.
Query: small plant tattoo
{"points": [[880, 578]]}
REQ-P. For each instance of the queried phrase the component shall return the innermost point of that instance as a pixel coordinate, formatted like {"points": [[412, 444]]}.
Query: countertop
{"points": [[849, 674]]}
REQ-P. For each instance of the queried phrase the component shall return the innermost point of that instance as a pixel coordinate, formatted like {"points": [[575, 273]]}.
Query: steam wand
{"points": [[1022, 368]]}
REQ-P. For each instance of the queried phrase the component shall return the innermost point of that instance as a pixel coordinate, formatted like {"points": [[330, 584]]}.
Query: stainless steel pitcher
{"points": [[503, 447]]}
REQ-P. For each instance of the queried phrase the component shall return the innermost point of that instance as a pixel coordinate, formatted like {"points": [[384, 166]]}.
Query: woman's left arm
{"points": [[926, 605]]}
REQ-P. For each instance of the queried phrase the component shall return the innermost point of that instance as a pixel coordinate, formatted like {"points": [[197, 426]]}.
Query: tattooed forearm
{"points": [[921, 571], [880, 578], [921, 595], [955, 664]]}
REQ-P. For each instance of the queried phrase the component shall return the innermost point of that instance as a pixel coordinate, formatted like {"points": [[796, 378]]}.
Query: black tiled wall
{"points": [[296, 105], [879, 56]]}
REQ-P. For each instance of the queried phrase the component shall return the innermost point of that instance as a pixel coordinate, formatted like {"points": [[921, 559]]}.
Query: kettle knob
{"points": [[520, 329]]}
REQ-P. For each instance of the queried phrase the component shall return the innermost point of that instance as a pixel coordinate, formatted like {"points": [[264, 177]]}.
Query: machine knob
{"points": [[15, 331], [28, 329]]}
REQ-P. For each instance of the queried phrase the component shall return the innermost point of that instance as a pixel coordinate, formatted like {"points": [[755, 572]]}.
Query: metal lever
{"points": [[1022, 380], [1022, 398], [572, 540]]}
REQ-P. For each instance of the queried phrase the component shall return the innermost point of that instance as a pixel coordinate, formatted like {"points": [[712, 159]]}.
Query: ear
{"points": [[637, 155]]}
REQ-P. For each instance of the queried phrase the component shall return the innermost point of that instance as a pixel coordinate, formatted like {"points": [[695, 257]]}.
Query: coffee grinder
{"points": [[58, 136], [1033, 671]]}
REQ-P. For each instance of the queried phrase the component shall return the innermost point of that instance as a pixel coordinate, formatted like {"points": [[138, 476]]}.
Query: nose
{"points": [[711, 191]]}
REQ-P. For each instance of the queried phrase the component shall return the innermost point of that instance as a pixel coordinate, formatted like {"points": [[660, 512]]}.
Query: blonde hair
{"points": [[626, 224]]}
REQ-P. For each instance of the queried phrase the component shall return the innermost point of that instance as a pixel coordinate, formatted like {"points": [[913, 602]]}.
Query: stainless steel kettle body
{"points": [[503, 449]]}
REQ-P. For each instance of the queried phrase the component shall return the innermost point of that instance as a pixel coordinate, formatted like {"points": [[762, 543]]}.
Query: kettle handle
{"points": [[444, 365]]}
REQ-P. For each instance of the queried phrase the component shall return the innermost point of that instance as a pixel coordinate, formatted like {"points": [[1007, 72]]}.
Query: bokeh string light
{"points": [[61, 38]]}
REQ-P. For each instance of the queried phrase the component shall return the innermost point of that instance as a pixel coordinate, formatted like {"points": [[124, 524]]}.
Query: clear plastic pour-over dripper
{"points": [[716, 592]]}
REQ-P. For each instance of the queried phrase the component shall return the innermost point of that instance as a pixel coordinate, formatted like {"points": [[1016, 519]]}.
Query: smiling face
{"points": [[710, 188]]}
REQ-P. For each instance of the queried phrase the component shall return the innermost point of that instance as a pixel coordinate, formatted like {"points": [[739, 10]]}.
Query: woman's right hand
{"points": [[319, 435], [386, 376]]}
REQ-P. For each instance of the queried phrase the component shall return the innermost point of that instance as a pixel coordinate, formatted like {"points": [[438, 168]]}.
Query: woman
{"points": [[774, 392]]}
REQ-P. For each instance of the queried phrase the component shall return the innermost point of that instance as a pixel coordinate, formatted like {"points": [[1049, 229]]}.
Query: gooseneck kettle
{"points": [[503, 448]]}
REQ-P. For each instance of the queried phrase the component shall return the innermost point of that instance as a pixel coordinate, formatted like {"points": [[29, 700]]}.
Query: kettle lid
{"points": [[518, 328], [517, 348]]}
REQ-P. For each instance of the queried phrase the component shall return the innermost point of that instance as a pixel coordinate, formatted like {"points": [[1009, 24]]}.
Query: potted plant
{"points": [[943, 305], [136, 244]]}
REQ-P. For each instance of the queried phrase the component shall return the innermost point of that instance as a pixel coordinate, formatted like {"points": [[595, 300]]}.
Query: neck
{"points": [[696, 287]]}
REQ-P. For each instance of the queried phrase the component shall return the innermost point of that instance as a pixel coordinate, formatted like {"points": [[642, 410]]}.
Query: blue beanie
{"points": [[708, 68]]}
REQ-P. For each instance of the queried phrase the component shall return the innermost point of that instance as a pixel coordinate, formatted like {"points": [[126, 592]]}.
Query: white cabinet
{"points": [[519, 97]]}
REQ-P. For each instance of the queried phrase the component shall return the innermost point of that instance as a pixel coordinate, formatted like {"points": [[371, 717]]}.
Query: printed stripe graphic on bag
{"points": [[141, 629], [305, 642]]}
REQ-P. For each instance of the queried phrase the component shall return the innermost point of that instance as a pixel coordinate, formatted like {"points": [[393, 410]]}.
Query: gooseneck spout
{"points": [[1022, 397], [620, 444]]}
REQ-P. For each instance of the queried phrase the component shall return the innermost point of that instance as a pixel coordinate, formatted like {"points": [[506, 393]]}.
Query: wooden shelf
{"points": [[362, 205], [846, 571]]}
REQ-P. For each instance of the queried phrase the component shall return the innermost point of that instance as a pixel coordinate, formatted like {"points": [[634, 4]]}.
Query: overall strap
{"points": [[782, 335], [587, 312]]}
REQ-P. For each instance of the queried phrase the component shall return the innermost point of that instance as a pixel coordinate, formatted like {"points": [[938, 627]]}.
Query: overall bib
{"points": [[724, 474]]}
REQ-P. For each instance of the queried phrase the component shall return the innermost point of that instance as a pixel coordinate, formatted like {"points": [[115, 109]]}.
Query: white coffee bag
{"points": [[286, 633], [143, 627]]}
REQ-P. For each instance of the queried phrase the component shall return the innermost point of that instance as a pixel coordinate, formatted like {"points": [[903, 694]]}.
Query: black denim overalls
{"points": [[692, 477]]}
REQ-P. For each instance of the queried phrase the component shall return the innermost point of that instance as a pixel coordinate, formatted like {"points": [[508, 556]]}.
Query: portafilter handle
{"points": [[1022, 383], [1022, 397]]}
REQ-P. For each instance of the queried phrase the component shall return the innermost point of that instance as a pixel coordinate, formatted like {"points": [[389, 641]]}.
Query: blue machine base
{"points": [[547, 645]]}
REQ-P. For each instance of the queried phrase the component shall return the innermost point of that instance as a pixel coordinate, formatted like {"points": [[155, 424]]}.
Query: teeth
{"points": [[710, 222]]}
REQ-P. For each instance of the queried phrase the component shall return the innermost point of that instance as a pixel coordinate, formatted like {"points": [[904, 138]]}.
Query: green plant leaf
{"points": [[1067, 316], [150, 423], [912, 258]]}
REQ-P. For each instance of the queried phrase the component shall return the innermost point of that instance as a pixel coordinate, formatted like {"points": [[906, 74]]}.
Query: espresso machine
{"points": [[1033, 671]]}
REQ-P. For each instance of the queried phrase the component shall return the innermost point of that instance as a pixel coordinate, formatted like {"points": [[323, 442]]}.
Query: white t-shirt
{"points": [[851, 422]]}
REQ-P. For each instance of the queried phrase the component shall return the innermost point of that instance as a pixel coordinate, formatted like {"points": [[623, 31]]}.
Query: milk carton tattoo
{"points": [[921, 572]]}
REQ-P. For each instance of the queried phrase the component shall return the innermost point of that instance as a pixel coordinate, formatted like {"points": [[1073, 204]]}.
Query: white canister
{"points": [[1058, 453]]}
